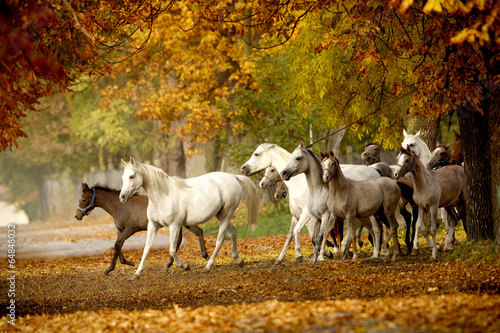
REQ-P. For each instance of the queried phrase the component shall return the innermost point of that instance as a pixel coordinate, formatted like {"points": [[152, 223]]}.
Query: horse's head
{"points": [[297, 163], [132, 180], [405, 162], [270, 178], [371, 154], [86, 202], [458, 154], [440, 155], [259, 160], [330, 165], [281, 190]]}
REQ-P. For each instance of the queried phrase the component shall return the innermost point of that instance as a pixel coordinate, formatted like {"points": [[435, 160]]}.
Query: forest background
{"points": [[86, 83]]}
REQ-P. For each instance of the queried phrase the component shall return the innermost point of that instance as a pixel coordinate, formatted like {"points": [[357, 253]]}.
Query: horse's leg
{"points": [[394, 231], [231, 230], [420, 224], [339, 232], [320, 238], [408, 219], [175, 241], [199, 233], [152, 230], [287, 241], [171, 259], [347, 246], [434, 212], [120, 239], [352, 231], [304, 219], [376, 235], [448, 244], [444, 216], [223, 227], [358, 236]]}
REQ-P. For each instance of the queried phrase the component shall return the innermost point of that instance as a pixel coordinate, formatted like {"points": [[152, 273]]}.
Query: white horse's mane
{"points": [[277, 149], [157, 180]]}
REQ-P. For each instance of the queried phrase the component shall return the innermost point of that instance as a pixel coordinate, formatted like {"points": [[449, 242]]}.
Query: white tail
{"points": [[251, 195]]}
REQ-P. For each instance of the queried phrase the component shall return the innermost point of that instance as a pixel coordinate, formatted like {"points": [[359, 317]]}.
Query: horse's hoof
{"points": [[240, 262], [186, 266], [329, 254], [320, 259], [299, 259], [106, 272], [135, 277], [433, 259], [313, 261], [414, 252], [130, 263], [206, 269]]}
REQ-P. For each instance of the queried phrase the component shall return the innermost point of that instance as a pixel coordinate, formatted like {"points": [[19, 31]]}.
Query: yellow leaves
{"points": [[433, 6]]}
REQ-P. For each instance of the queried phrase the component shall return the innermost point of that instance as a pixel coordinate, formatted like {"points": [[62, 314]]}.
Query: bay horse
{"points": [[432, 189], [350, 199], [176, 202], [128, 219], [457, 157]]}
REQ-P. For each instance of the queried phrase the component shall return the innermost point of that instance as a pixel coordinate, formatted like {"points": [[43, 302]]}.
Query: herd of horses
{"points": [[323, 195]]}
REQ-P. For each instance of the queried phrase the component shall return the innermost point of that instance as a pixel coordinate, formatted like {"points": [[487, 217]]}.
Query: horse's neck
{"points": [[338, 183], [421, 176], [425, 153], [107, 200], [313, 176]]}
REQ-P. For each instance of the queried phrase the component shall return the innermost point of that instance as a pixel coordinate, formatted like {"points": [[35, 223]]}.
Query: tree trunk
{"points": [[474, 130], [494, 135], [428, 127]]}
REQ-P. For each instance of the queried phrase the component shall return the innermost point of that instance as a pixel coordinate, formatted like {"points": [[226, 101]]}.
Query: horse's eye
{"points": [[299, 158], [256, 154], [132, 177], [412, 144]]}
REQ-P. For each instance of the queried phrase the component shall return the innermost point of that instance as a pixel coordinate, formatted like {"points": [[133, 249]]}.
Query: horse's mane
{"points": [[283, 153], [157, 180], [104, 187], [317, 159]]}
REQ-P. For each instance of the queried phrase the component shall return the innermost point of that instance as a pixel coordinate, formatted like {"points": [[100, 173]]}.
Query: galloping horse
{"points": [[349, 199], [174, 202], [128, 219], [432, 189]]}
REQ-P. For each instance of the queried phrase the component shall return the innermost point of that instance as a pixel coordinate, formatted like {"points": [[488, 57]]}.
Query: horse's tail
{"points": [[251, 195]]}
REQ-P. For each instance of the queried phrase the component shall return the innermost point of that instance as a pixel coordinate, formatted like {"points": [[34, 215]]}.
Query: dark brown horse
{"points": [[129, 218]]}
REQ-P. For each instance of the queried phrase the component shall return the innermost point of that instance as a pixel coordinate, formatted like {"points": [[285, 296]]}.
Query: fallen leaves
{"points": [[413, 293]]}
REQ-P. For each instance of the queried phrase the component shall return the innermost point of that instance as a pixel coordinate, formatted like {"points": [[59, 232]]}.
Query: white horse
{"points": [[418, 146], [174, 202], [304, 161], [270, 155]]}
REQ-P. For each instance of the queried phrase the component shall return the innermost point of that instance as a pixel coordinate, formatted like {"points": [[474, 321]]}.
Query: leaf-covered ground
{"points": [[412, 294]]}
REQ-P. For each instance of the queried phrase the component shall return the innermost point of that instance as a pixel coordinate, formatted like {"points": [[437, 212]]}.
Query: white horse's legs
{"points": [[225, 225], [231, 230], [420, 223], [151, 235], [446, 221], [352, 231], [175, 231], [287, 241], [434, 211], [376, 236]]}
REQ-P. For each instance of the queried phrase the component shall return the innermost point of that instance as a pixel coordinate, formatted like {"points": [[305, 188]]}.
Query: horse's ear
{"points": [[85, 187], [331, 154], [323, 155], [124, 164], [401, 149], [302, 145], [366, 144], [448, 146], [437, 143], [381, 143], [132, 161], [457, 135], [418, 134], [404, 133]]}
